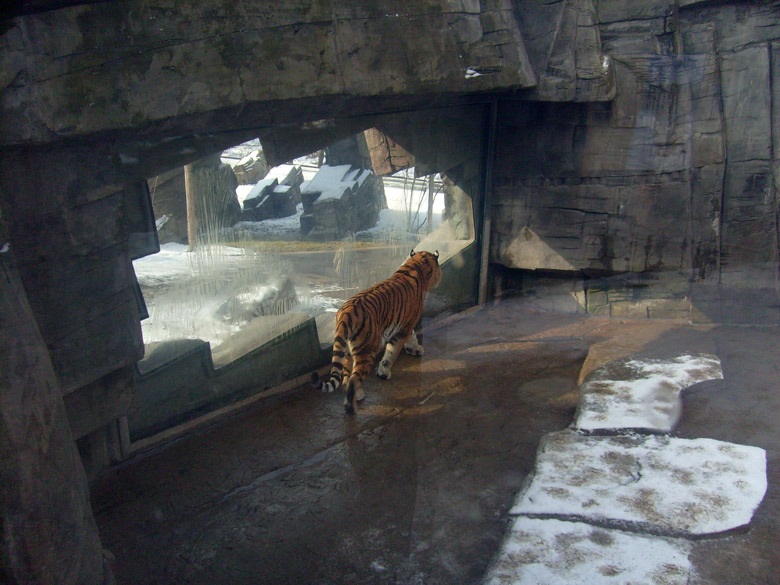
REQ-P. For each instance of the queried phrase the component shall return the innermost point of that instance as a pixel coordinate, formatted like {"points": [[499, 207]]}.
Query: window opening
{"points": [[308, 235]]}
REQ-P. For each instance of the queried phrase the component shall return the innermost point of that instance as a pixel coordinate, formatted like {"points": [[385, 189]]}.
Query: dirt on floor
{"points": [[416, 487]]}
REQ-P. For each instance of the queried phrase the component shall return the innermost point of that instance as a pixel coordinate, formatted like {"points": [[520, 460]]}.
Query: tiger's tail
{"points": [[333, 380]]}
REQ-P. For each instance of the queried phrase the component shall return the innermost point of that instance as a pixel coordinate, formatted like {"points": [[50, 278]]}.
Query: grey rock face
{"points": [[674, 175]]}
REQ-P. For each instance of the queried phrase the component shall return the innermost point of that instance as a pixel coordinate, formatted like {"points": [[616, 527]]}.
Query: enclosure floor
{"points": [[416, 488]]}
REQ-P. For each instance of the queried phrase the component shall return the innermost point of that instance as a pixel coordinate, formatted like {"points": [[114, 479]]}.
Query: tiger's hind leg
{"points": [[392, 349], [360, 370], [412, 346]]}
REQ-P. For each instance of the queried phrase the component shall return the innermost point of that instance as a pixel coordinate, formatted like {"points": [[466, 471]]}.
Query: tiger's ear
{"points": [[412, 253], [436, 254]]}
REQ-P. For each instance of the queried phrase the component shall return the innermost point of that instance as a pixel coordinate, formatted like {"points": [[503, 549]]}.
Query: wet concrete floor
{"points": [[416, 488]]}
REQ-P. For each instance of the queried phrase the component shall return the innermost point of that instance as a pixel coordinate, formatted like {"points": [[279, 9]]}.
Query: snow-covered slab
{"points": [[641, 393], [331, 182], [552, 552], [658, 484]]}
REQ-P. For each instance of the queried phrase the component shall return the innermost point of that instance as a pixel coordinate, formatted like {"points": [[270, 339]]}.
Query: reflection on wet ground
{"points": [[418, 486]]}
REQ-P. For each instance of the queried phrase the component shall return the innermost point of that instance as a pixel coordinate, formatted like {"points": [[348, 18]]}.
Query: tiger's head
{"points": [[427, 265]]}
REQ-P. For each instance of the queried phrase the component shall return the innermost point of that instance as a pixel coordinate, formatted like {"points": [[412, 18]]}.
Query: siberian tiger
{"points": [[385, 314]]}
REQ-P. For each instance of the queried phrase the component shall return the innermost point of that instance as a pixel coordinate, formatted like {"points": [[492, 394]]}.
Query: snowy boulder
{"points": [[268, 200], [657, 484], [293, 179], [340, 200], [274, 298], [250, 169]]}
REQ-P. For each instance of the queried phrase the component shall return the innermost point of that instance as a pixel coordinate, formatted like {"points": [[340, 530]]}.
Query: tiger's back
{"points": [[384, 314]]}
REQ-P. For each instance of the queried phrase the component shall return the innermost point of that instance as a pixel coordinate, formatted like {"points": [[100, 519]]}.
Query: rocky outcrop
{"points": [[170, 205], [341, 200], [273, 197], [49, 534], [214, 184]]}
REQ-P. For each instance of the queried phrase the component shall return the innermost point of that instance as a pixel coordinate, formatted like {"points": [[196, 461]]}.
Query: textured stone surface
{"points": [[250, 169], [676, 173], [269, 199], [340, 200], [48, 532], [74, 260], [564, 45], [169, 200], [211, 197], [101, 67]]}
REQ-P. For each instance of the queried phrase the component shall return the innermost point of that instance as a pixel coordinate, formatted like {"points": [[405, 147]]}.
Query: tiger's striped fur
{"points": [[385, 314]]}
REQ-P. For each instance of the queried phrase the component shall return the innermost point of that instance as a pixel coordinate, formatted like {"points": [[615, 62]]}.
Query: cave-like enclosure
{"points": [[617, 158]]}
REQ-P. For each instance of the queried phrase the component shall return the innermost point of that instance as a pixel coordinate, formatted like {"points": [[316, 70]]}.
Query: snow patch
{"points": [[641, 393], [553, 552], [667, 484], [283, 228]]}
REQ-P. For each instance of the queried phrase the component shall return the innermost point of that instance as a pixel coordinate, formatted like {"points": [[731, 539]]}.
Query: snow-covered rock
{"points": [[659, 484], [641, 393], [554, 552]]}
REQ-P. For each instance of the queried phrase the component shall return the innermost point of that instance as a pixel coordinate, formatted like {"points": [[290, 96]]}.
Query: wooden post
{"points": [[192, 214], [430, 202], [48, 534]]}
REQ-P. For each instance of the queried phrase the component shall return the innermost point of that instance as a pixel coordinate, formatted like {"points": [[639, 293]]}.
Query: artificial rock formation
{"points": [[48, 533], [212, 204], [273, 197], [672, 179], [631, 138], [341, 200], [250, 169]]}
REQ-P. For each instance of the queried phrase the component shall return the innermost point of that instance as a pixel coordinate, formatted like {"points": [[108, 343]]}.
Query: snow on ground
{"points": [[175, 261], [587, 490], [667, 484], [283, 228], [552, 552], [641, 394], [216, 291]]}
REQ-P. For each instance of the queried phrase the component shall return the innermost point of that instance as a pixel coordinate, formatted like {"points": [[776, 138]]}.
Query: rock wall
{"points": [[675, 175], [187, 67], [639, 140], [212, 204], [49, 535]]}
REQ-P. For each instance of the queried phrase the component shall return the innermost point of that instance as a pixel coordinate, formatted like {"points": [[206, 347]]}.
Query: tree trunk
{"points": [[430, 203], [192, 215]]}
